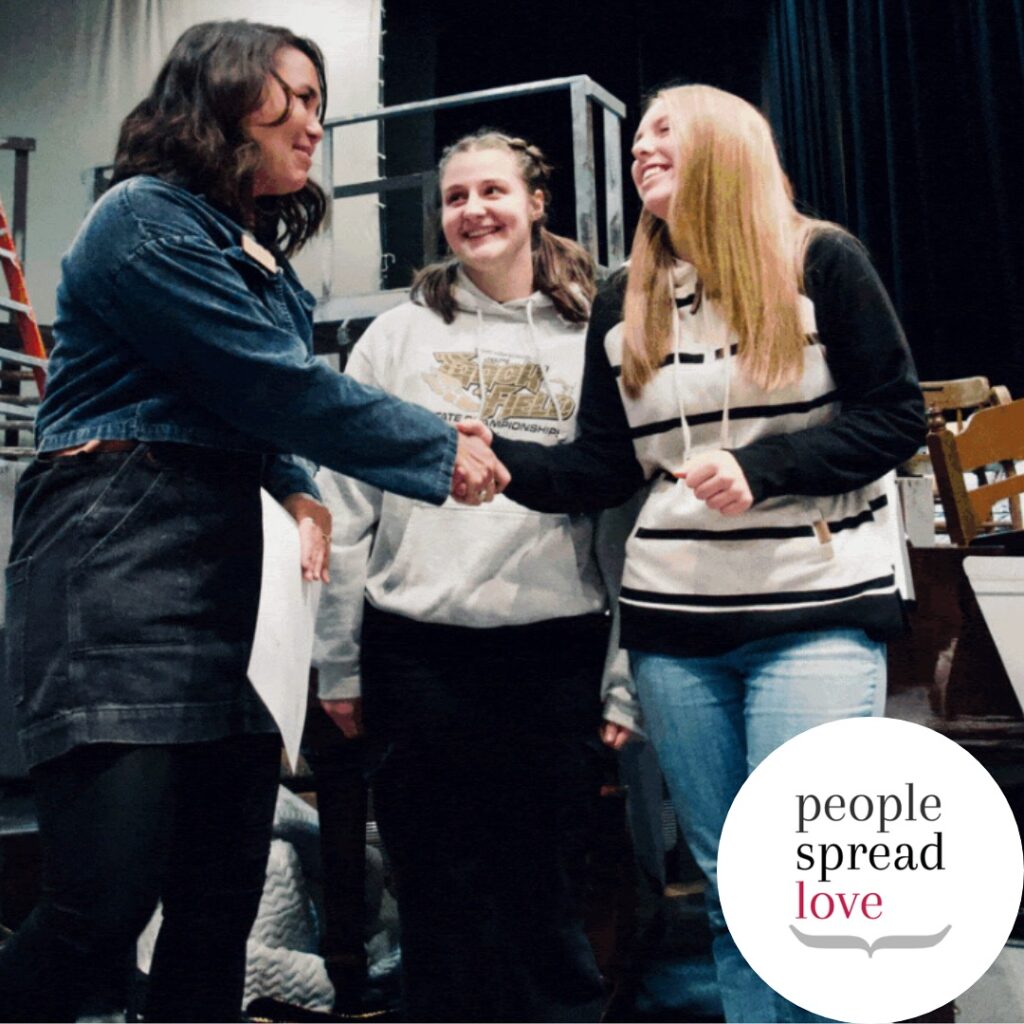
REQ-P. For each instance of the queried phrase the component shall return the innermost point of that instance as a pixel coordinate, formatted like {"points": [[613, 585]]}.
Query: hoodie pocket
{"points": [[822, 534], [503, 564]]}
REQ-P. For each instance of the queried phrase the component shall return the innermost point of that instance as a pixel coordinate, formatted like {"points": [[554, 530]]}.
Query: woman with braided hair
{"points": [[479, 650]]}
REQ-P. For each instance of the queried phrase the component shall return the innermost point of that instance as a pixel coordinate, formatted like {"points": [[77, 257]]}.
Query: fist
{"points": [[717, 479]]}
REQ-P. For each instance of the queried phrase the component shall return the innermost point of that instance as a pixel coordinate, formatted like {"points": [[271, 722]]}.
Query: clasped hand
{"points": [[478, 475], [717, 479]]}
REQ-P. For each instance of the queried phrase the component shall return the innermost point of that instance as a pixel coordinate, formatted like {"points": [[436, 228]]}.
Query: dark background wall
{"points": [[897, 118], [442, 48]]}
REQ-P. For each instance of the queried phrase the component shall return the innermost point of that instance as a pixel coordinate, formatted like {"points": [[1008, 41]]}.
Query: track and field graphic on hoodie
{"points": [[499, 387]]}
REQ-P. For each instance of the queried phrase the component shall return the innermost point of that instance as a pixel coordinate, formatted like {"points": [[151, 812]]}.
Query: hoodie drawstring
{"points": [[535, 349], [676, 369], [725, 341], [725, 438], [480, 363]]}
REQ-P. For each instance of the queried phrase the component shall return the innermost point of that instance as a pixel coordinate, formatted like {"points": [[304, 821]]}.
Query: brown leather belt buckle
{"points": [[96, 446]]}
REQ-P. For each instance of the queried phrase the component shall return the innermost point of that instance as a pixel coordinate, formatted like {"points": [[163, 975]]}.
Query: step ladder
{"points": [[17, 412]]}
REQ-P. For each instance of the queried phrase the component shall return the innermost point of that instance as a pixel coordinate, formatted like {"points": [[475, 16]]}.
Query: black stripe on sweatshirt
{"points": [[752, 533], [698, 357], [740, 600], [858, 518], [690, 634], [765, 532], [747, 412], [684, 357]]}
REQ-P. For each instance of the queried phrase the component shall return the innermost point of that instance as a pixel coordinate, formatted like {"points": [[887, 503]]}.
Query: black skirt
{"points": [[132, 592]]}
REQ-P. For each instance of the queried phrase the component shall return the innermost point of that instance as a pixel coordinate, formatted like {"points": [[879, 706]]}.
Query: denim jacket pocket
{"points": [[265, 284], [254, 272]]}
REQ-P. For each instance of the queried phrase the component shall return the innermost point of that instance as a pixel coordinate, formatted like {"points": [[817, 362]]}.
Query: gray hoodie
{"points": [[517, 365]]}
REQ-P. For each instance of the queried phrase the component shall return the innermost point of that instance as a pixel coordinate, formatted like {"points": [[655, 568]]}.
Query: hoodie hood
{"points": [[471, 299]]}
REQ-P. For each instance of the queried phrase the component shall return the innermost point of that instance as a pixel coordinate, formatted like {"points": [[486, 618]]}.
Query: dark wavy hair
{"points": [[562, 269], [188, 130]]}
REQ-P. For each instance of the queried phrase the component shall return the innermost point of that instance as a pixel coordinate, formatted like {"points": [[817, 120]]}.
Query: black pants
{"points": [[339, 768], [122, 827], [485, 797]]}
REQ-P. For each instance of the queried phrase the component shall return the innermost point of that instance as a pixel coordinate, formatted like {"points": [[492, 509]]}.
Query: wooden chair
{"points": [[962, 395], [994, 434], [974, 686], [957, 399]]}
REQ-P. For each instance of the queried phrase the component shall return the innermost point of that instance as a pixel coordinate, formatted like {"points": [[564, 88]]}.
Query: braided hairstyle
{"points": [[562, 269]]}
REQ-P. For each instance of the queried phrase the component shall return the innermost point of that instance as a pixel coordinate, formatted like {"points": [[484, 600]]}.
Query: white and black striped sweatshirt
{"points": [[815, 549]]}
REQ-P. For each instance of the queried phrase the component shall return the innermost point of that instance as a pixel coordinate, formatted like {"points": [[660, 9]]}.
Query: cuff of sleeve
{"points": [[337, 685], [755, 470], [282, 478], [623, 709], [447, 470], [507, 450]]}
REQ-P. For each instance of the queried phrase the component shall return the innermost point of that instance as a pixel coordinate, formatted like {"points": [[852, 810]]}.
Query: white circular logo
{"points": [[870, 870]]}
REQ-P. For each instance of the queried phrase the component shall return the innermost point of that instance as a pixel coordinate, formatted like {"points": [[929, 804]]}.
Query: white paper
{"points": [[898, 538], [998, 582], [283, 645]]}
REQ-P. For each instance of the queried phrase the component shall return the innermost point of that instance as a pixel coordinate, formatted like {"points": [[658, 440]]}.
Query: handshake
{"points": [[478, 475]]}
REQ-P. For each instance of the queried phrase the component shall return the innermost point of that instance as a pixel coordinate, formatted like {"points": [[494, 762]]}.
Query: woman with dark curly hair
{"points": [[182, 380]]}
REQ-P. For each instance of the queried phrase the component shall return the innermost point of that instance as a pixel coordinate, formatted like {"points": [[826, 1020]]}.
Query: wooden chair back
{"points": [[957, 396], [993, 434]]}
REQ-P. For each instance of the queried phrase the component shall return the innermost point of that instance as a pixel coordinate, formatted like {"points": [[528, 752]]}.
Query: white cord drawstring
{"points": [[676, 369], [535, 348], [725, 436], [480, 362]]}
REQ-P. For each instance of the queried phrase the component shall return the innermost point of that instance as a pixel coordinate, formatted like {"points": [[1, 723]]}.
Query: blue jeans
{"points": [[712, 720]]}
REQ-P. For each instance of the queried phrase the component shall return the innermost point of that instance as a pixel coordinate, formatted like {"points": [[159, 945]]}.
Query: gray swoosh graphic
{"points": [[856, 942]]}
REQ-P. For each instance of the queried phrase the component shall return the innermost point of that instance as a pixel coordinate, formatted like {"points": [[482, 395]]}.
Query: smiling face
{"points": [[655, 158], [287, 147], [487, 216]]}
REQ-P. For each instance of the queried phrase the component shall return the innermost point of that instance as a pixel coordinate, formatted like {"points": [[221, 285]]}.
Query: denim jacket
{"points": [[169, 328]]}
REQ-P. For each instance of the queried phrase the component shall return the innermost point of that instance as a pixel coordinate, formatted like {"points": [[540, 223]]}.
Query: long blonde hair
{"points": [[732, 215], [562, 269]]}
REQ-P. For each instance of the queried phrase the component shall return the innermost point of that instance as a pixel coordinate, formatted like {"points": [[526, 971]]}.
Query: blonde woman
{"points": [[751, 371]]}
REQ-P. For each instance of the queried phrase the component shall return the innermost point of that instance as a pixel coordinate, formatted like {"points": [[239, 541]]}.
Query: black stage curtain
{"points": [[901, 119]]}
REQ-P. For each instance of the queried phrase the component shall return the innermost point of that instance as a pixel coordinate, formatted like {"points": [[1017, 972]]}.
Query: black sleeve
{"points": [[599, 469], [880, 422]]}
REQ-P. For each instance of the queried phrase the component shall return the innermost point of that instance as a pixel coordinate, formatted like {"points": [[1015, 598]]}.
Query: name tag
{"points": [[262, 256]]}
